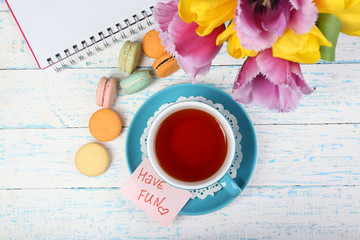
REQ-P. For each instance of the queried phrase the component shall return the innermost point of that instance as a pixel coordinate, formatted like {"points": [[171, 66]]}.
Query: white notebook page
{"points": [[50, 27]]}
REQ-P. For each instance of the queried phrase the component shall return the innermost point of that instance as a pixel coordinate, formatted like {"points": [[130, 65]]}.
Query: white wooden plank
{"points": [[259, 213], [45, 99], [14, 50], [18, 56], [3, 6], [44, 158]]}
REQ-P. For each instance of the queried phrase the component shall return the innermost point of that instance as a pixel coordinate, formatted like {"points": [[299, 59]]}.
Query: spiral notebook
{"points": [[60, 33]]}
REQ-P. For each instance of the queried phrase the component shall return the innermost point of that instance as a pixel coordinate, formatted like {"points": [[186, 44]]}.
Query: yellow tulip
{"points": [[234, 47], [300, 48], [329, 6], [348, 11], [208, 14]]}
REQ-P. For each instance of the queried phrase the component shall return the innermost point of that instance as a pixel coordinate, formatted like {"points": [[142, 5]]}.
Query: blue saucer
{"points": [[171, 94]]}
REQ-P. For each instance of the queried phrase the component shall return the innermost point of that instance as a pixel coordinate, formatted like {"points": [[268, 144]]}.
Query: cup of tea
{"points": [[191, 145]]}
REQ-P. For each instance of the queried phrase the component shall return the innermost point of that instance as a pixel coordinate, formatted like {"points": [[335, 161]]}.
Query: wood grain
{"points": [[44, 158], [45, 99], [259, 213], [3, 6], [306, 183]]}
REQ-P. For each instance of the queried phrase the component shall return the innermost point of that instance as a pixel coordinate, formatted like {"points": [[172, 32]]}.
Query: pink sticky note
{"points": [[157, 198]]}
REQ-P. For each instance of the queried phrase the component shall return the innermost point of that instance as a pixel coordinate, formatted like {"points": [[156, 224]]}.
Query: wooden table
{"points": [[306, 184]]}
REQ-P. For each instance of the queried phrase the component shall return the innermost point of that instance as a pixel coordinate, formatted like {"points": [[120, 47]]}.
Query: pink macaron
{"points": [[106, 92]]}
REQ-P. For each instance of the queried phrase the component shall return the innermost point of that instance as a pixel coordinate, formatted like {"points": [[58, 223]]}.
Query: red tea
{"points": [[190, 145]]}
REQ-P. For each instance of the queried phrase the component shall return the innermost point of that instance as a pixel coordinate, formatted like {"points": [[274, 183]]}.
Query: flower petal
{"points": [[315, 31], [249, 26], [277, 19], [230, 30], [185, 11], [165, 11], [201, 50], [193, 52], [190, 68], [234, 47], [304, 87], [277, 70], [289, 98], [355, 33], [258, 82], [249, 70], [295, 68], [303, 48], [243, 94], [350, 17], [242, 88], [348, 11], [329, 6], [207, 14], [274, 97], [296, 74], [263, 41], [304, 18], [265, 93], [244, 19]]}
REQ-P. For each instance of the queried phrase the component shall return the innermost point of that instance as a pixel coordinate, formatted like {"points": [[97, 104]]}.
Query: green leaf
{"points": [[330, 26]]}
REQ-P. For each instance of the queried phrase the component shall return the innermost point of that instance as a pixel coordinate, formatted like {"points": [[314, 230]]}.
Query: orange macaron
{"points": [[152, 44], [105, 125], [165, 65]]}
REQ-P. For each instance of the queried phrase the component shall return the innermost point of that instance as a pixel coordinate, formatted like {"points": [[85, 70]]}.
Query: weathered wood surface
{"points": [[44, 158], [306, 184], [322, 212], [67, 99]]}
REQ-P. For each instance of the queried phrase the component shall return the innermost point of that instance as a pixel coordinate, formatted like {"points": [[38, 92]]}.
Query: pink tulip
{"points": [[193, 53], [260, 22], [270, 82]]}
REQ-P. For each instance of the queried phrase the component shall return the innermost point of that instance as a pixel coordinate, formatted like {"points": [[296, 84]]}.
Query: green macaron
{"points": [[129, 56], [136, 81]]}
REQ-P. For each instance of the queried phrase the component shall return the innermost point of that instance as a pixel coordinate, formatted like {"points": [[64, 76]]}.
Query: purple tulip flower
{"points": [[260, 22], [194, 53], [270, 82]]}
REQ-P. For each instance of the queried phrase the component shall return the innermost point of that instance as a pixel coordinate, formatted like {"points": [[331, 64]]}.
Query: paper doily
{"points": [[202, 193]]}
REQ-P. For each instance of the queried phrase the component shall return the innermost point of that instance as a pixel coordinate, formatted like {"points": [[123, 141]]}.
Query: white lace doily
{"points": [[202, 193]]}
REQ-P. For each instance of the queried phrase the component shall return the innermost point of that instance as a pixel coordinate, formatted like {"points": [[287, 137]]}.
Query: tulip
{"points": [[259, 23], [304, 48], [270, 82], [234, 47], [194, 53], [207, 14], [348, 11]]}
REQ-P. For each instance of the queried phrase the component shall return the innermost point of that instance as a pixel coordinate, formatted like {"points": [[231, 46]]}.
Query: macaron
{"points": [[151, 44], [106, 92], [136, 81], [92, 159], [165, 65], [105, 125], [129, 56]]}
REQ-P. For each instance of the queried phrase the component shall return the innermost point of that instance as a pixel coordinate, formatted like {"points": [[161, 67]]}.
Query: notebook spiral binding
{"points": [[112, 34]]}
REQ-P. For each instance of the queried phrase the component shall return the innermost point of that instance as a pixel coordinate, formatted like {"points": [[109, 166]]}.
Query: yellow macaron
{"points": [[92, 159]]}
